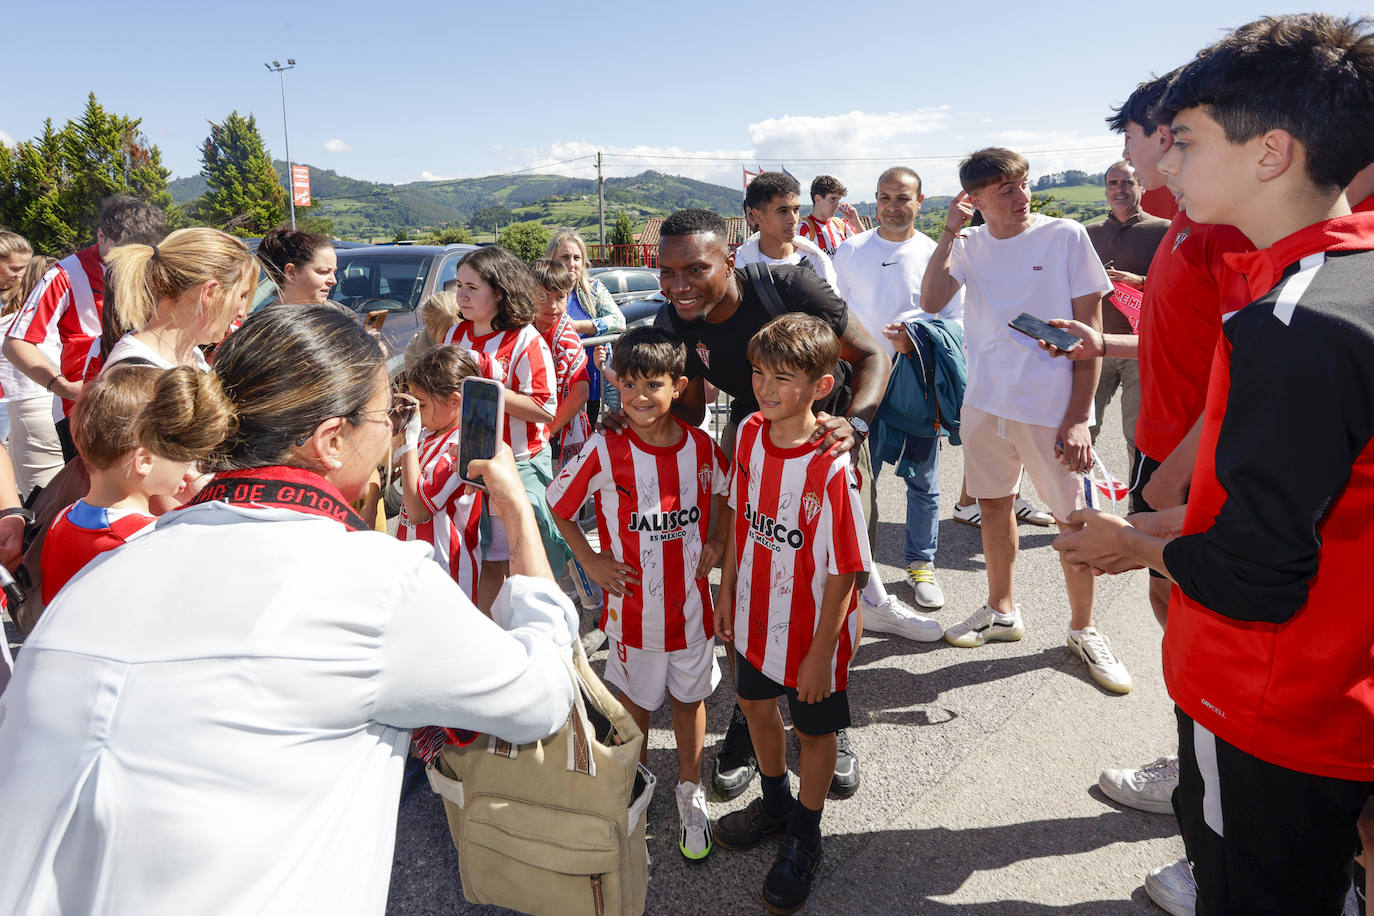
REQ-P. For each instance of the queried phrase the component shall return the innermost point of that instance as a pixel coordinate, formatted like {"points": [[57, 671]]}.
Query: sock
{"points": [[874, 593], [805, 825], [777, 794]]}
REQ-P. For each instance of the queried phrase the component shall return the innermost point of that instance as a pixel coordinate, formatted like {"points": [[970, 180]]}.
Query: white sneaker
{"points": [[1027, 511], [1149, 788], [928, 591], [694, 840], [593, 640], [1106, 669], [1173, 888], [891, 617], [986, 625], [969, 515]]}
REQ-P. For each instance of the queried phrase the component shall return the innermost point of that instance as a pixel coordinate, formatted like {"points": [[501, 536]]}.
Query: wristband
{"points": [[20, 511], [52, 381], [952, 232]]}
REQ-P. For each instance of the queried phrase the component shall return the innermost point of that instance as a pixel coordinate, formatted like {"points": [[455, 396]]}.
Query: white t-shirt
{"points": [[881, 281], [130, 347], [177, 741], [803, 250], [1039, 271]]}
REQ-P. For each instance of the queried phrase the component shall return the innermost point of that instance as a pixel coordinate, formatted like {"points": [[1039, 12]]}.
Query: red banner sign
{"points": [[1128, 300], [300, 185]]}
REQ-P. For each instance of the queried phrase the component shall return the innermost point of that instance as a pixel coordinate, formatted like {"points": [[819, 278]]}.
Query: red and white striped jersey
{"points": [[452, 529], [827, 235], [570, 367], [797, 520], [653, 510], [521, 361], [62, 314]]}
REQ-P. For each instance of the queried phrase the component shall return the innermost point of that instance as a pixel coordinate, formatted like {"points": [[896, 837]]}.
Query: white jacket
{"points": [[748, 253], [214, 718]]}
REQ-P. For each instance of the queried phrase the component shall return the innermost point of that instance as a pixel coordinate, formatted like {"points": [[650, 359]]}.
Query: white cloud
{"points": [[335, 145], [856, 146], [6, 139], [427, 175]]}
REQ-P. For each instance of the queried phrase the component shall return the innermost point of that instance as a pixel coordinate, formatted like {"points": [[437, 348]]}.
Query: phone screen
{"points": [[375, 320], [480, 422], [1034, 327]]}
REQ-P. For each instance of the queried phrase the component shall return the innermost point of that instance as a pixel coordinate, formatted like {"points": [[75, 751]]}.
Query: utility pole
{"points": [[278, 69], [601, 205]]}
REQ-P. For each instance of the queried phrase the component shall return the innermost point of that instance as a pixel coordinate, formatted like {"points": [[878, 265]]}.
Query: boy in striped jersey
{"points": [[787, 595], [657, 485]]}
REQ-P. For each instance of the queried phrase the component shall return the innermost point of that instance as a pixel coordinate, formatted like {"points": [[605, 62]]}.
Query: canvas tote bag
{"points": [[556, 826]]}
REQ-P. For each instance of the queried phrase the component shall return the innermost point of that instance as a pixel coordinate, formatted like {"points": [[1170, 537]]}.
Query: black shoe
{"points": [[845, 782], [750, 826], [735, 764], [789, 880]]}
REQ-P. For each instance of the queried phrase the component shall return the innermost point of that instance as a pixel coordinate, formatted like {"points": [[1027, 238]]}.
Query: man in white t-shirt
{"points": [[880, 275], [1022, 408], [773, 203]]}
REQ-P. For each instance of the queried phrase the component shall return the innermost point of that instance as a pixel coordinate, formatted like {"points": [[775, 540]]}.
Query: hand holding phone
{"points": [[1039, 329], [481, 421]]}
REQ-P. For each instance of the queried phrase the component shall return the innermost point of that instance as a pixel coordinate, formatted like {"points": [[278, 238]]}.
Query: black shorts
{"points": [[823, 718], [1262, 838], [1145, 467]]}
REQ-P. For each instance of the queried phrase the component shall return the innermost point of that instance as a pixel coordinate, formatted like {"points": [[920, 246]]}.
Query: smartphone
{"points": [[375, 320], [1034, 327], [481, 420]]}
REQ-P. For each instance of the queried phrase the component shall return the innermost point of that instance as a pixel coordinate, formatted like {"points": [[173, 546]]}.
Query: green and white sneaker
{"points": [[695, 837], [985, 626]]}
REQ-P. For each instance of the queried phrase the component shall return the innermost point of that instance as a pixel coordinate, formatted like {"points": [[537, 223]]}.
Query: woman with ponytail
{"points": [[172, 298], [216, 715]]}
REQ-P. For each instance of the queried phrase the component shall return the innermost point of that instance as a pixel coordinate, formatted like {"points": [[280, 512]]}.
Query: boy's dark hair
{"points": [[991, 165], [126, 220], [649, 353], [694, 222], [768, 186], [552, 275], [1139, 106], [1309, 74], [441, 371], [796, 341], [510, 279], [825, 185]]}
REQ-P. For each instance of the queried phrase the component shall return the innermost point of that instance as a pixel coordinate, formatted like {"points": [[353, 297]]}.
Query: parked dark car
{"points": [[394, 278], [627, 284]]}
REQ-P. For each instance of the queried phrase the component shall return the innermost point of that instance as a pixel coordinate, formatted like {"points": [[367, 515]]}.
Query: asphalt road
{"points": [[979, 766]]}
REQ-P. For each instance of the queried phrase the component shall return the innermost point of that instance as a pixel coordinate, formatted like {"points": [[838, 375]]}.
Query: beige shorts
{"points": [[995, 451], [644, 675]]}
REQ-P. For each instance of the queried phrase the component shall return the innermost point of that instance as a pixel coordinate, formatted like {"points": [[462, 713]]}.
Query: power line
{"points": [[428, 186], [890, 158]]}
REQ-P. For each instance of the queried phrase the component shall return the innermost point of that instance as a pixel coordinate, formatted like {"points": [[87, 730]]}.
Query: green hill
{"points": [[370, 210]]}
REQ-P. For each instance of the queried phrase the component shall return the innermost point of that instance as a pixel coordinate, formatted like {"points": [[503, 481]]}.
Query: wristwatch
{"points": [[860, 427]]}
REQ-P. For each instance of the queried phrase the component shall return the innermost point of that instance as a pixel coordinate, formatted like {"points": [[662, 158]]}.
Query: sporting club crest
{"points": [[811, 506], [704, 354], [704, 478]]}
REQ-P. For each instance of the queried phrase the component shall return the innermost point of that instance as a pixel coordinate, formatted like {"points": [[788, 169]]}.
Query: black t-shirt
{"points": [[719, 352]]}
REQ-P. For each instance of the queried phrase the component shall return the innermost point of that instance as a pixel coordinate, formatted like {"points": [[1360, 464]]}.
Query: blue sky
{"points": [[401, 92]]}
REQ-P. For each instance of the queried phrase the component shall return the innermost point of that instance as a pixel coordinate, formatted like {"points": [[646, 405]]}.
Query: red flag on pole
{"points": [[300, 185]]}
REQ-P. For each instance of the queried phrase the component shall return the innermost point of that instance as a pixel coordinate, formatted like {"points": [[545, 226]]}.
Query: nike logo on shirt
{"points": [[890, 263]]}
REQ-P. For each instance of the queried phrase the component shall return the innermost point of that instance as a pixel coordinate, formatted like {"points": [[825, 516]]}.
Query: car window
{"points": [[392, 281], [448, 272], [641, 282], [612, 282]]}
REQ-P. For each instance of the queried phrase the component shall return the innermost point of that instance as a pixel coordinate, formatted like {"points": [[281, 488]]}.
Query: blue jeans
{"points": [[922, 500]]}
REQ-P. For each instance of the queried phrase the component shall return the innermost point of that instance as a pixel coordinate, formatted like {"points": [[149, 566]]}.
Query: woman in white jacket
{"points": [[215, 717]]}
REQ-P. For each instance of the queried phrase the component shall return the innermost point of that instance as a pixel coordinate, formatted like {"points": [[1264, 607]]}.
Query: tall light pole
{"points": [[278, 69]]}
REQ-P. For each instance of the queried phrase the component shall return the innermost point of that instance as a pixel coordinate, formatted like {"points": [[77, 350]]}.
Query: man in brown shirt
{"points": [[1126, 243]]}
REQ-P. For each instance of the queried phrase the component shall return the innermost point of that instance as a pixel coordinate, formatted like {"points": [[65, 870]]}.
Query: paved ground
{"points": [[979, 765]]}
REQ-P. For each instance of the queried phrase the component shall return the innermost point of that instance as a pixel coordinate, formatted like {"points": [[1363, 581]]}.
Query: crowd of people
{"points": [[235, 660]]}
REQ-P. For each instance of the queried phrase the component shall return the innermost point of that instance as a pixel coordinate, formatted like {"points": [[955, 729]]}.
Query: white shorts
{"points": [[643, 675], [995, 450]]}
